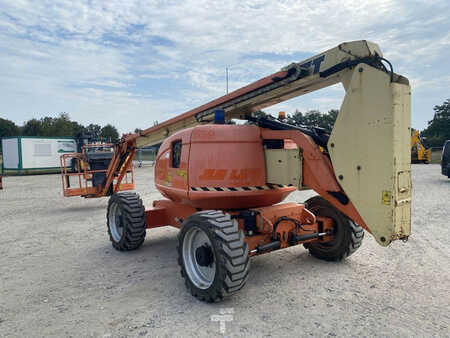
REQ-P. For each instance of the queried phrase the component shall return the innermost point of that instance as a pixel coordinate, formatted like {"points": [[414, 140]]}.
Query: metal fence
{"points": [[145, 157]]}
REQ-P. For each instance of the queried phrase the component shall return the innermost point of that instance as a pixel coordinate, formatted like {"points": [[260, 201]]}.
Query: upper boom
{"points": [[296, 79]]}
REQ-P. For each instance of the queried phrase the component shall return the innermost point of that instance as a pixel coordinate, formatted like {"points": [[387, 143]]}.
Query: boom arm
{"points": [[368, 147], [320, 71]]}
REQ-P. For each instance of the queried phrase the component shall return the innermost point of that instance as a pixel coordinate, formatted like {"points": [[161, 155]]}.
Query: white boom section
{"points": [[369, 150]]}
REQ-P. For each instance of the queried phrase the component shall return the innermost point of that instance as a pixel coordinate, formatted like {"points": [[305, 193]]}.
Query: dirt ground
{"points": [[60, 276]]}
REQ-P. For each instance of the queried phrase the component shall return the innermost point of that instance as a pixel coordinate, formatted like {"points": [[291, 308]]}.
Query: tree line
{"points": [[61, 126], [310, 118], [438, 129], [314, 118], [435, 134]]}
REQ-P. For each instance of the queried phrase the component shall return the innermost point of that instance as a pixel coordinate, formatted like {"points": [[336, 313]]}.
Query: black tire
{"points": [[126, 212], [348, 236], [230, 255]]}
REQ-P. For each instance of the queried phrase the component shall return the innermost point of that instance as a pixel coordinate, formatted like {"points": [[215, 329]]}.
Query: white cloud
{"points": [[106, 83], [155, 59]]}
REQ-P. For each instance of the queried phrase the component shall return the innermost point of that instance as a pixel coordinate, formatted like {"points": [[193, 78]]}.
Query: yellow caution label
{"points": [[182, 173], [386, 197], [169, 179]]}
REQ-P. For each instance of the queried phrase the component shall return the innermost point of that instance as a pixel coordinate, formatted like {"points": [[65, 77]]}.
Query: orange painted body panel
{"points": [[166, 212], [289, 144], [173, 182], [318, 173], [226, 156], [238, 199], [291, 209], [92, 192], [221, 167]]}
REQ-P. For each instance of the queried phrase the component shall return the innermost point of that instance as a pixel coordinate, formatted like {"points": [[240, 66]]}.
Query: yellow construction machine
{"points": [[419, 154]]}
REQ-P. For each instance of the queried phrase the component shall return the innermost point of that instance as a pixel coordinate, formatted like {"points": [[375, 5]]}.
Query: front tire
{"points": [[348, 236], [213, 255], [126, 221]]}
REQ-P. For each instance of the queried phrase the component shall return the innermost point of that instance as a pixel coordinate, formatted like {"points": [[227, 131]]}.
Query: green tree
{"points": [[52, 126], [58, 127], [62, 126], [314, 118], [77, 128], [329, 119], [438, 130], [257, 114], [32, 127], [8, 128], [109, 133], [94, 129]]}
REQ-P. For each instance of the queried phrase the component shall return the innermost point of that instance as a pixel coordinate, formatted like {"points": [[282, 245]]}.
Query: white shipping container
{"points": [[26, 153], [10, 153]]}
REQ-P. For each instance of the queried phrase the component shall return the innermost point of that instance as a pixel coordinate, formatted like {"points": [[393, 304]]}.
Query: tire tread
{"points": [[133, 212], [233, 256], [352, 241]]}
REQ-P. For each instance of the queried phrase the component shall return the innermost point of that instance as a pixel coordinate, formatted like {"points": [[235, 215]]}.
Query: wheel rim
{"points": [[116, 222], [196, 245]]}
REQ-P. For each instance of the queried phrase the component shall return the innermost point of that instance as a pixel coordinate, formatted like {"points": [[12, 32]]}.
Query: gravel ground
{"points": [[61, 277]]}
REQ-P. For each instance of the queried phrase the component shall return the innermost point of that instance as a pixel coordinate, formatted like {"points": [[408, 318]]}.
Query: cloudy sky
{"points": [[132, 62]]}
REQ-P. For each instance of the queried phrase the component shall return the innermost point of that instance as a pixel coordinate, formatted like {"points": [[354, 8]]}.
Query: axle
{"points": [[266, 229], [275, 245]]}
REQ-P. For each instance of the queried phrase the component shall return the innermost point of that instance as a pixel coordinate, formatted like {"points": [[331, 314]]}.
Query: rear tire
{"points": [[213, 255], [126, 221], [348, 236]]}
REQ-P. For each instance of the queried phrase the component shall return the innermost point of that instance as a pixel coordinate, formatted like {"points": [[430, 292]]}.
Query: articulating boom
{"points": [[366, 158]]}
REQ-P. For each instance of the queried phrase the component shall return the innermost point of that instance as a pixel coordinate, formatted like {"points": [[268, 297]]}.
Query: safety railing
{"points": [[77, 178]]}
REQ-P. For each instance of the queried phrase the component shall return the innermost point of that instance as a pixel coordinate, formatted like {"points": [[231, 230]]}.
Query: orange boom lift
{"points": [[223, 184]]}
